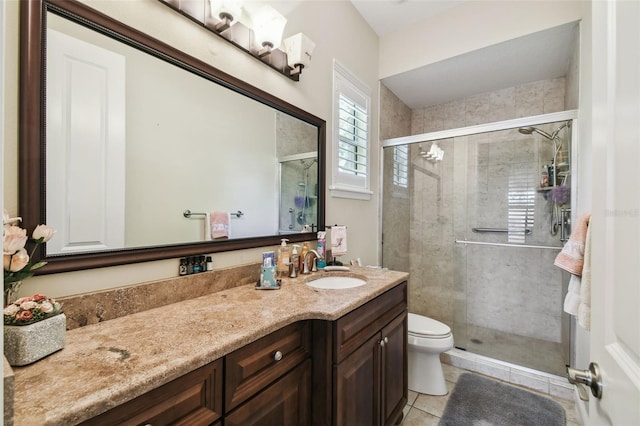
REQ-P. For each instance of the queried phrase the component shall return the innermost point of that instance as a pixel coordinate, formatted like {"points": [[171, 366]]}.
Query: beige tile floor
{"points": [[426, 410]]}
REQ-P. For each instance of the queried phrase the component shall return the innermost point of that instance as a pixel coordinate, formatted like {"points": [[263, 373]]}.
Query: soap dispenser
{"points": [[283, 259]]}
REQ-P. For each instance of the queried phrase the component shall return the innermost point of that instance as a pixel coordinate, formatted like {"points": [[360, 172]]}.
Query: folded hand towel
{"points": [[219, 225], [571, 258], [338, 240], [584, 309]]}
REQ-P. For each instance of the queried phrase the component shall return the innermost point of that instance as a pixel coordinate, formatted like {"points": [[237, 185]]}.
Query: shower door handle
{"points": [[590, 378]]}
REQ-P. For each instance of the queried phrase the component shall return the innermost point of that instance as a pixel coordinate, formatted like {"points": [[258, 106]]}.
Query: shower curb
{"points": [[539, 381]]}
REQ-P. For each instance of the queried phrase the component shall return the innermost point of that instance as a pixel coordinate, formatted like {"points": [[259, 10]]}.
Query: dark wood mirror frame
{"points": [[32, 143]]}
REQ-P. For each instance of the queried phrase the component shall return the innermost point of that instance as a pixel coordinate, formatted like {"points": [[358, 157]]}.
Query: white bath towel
{"points": [[572, 299], [207, 227], [584, 309], [338, 240]]}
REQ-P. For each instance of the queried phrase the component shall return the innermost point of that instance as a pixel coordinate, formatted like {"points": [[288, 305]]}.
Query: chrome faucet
{"points": [[314, 267]]}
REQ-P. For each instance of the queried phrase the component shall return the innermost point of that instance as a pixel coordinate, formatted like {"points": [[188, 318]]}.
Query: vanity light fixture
{"points": [[228, 11], [268, 26], [255, 28], [299, 49]]}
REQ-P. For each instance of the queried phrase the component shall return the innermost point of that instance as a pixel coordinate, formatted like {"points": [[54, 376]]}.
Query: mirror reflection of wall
{"points": [[186, 143]]}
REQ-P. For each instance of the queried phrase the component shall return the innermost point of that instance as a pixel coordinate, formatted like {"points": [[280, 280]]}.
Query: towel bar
{"points": [[527, 231], [482, 243], [188, 213]]}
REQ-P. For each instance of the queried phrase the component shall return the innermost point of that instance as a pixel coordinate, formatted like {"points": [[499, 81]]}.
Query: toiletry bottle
{"points": [[196, 265], [544, 177], [209, 263], [183, 266], [203, 264], [321, 249], [295, 257], [303, 254], [189, 265], [552, 175], [283, 259]]}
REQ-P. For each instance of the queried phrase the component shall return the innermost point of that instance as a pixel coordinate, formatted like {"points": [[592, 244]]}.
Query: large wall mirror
{"points": [[135, 151]]}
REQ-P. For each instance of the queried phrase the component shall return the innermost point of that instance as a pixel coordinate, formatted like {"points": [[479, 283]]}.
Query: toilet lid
{"points": [[425, 326]]}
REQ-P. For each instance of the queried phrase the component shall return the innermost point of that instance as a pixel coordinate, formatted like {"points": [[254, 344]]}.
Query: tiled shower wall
{"points": [[447, 280]]}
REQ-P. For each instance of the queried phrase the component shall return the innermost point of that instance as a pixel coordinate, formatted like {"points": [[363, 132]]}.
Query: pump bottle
{"points": [[283, 259]]}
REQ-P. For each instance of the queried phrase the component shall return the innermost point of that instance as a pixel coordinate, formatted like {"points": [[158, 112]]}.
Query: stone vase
{"points": [[24, 344]]}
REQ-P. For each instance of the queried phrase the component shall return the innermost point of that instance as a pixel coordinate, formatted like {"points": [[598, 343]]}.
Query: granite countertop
{"points": [[106, 364]]}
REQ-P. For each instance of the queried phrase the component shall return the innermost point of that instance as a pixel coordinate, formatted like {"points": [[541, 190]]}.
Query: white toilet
{"points": [[428, 338]]}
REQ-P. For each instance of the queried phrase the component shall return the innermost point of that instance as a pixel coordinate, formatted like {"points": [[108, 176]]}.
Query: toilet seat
{"points": [[420, 326]]}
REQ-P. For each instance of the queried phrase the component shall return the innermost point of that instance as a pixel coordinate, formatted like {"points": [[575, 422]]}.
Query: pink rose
{"points": [[8, 220], [19, 260], [39, 297], [14, 239], [24, 316], [43, 231], [22, 300]]}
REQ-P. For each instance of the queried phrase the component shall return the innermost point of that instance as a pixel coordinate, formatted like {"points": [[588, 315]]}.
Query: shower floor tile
{"points": [[532, 353]]}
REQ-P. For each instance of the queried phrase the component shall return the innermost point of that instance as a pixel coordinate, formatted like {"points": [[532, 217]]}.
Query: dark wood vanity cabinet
{"points": [[193, 399], [348, 372], [268, 382], [368, 364]]}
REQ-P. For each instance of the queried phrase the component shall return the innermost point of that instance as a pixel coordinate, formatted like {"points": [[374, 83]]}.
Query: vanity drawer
{"points": [[253, 367], [193, 399], [356, 327]]}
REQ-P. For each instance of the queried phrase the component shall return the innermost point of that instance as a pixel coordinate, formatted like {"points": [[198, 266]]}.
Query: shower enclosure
{"points": [[477, 219], [298, 192]]}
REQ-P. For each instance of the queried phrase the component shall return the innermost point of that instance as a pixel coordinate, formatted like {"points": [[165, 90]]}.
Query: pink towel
{"points": [[219, 225], [571, 258]]}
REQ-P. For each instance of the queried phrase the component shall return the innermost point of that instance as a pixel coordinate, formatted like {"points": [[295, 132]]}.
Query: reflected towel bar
{"points": [[481, 243], [515, 231], [189, 213]]}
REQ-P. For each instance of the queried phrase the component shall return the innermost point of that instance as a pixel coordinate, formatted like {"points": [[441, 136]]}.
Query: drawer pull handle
{"points": [[277, 356]]}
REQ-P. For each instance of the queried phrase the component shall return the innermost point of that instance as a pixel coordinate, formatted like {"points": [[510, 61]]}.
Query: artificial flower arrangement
{"points": [[28, 310], [16, 260]]}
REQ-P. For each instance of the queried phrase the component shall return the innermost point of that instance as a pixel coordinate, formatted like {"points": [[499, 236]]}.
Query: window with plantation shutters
{"points": [[401, 166], [351, 129], [352, 145]]}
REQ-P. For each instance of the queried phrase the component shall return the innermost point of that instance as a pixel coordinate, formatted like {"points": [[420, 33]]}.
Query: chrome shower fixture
{"points": [[530, 129]]}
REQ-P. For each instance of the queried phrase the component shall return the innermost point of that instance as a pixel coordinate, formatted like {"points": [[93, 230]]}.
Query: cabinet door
{"points": [[357, 386], [253, 367], [193, 399], [394, 369], [285, 403]]}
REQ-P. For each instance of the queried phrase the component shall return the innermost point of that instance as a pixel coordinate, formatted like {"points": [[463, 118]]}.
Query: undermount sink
{"points": [[336, 282]]}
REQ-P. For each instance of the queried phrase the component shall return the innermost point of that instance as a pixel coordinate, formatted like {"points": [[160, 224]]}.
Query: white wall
{"points": [[349, 40], [468, 27]]}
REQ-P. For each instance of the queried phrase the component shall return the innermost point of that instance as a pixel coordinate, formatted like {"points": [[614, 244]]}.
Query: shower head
{"points": [[529, 130]]}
